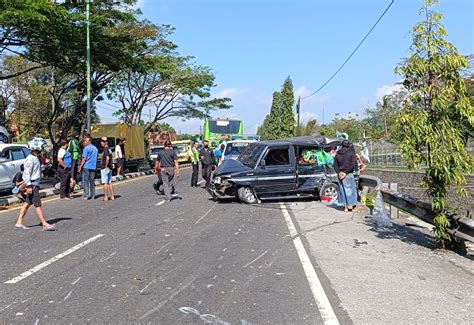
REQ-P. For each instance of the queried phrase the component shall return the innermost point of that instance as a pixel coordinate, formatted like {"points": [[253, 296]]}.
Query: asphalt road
{"points": [[189, 261]]}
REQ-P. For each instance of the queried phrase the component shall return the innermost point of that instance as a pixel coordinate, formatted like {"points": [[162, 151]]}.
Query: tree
{"points": [[280, 122], [436, 93], [171, 85], [383, 118], [310, 128]]}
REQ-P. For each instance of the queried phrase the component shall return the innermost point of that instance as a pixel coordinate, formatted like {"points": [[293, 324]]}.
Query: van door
{"points": [[277, 174], [310, 174]]}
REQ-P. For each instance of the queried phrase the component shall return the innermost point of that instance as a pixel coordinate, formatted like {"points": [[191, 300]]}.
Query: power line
{"points": [[353, 52]]}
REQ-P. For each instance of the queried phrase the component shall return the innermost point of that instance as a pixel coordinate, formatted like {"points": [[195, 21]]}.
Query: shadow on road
{"points": [[403, 233], [53, 221]]}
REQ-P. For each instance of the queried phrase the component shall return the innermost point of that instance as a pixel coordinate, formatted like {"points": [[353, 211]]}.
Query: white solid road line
{"points": [[322, 301], [52, 260]]}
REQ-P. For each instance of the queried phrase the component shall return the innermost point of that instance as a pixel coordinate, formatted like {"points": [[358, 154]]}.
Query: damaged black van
{"points": [[271, 170]]}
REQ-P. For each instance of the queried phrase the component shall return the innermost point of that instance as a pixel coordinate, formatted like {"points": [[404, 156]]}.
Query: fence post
{"points": [[394, 212]]}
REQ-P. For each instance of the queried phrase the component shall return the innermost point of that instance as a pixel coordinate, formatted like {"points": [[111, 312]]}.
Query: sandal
{"points": [[22, 227], [49, 228]]}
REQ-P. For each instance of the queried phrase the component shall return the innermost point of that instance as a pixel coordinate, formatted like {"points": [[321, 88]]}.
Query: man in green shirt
{"points": [[194, 154], [73, 148]]}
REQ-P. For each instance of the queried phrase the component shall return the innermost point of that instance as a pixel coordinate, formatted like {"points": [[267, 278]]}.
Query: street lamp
{"points": [[88, 63]]}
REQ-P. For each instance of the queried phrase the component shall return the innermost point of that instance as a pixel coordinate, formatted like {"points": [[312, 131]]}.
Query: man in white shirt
{"points": [[119, 156], [32, 178]]}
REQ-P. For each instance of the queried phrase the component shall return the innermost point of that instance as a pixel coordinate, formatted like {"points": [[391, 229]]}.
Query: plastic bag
{"points": [[379, 213]]}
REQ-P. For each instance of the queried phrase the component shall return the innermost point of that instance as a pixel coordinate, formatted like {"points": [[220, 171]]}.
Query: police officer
{"points": [[207, 159]]}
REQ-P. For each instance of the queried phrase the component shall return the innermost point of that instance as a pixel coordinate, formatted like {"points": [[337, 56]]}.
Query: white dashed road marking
{"points": [[52, 260]]}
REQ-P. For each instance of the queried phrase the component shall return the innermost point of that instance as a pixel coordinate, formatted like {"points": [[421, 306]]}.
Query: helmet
{"points": [[37, 144]]}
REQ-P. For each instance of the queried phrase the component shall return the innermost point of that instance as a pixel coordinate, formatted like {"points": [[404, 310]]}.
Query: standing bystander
{"points": [[169, 168], [32, 178], [345, 164], [73, 148], [19, 187], [64, 170], [88, 167], [119, 156], [194, 154], [207, 159], [106, 171]]}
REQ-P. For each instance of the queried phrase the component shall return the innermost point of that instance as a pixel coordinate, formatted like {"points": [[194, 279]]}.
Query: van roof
{"points": [[319, 141]]}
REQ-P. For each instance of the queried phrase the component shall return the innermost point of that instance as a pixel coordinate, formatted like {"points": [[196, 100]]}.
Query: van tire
{"points": [[247, 195], [331, 190]]}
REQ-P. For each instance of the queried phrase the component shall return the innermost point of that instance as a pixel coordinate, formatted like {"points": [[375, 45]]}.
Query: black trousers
{"points": [[206, 174], [194, 178], [64, 176]]}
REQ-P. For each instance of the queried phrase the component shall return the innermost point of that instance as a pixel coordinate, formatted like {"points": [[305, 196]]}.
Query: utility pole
{"points": [[88, 62], [298, 105]]}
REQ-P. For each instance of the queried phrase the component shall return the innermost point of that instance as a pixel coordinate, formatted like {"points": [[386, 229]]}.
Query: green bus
{"points": [[219, 130]]}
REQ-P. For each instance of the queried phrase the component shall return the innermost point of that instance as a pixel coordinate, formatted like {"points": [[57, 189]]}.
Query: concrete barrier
{"points": [[461, 227]]}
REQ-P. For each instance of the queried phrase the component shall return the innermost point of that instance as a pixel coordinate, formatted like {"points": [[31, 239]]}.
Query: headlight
{"points": [[217, 180]]}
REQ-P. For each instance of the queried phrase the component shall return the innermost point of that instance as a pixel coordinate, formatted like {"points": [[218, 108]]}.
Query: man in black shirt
{"points": [[169, 167], [106, 171], [207, 159]]}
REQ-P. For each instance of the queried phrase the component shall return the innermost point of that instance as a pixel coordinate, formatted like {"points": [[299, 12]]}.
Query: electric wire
{"points": [[353, 52]]}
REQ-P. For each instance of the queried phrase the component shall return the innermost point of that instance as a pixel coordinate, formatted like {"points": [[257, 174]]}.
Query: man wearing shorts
{"points": [[32, 178], [106, 170]]}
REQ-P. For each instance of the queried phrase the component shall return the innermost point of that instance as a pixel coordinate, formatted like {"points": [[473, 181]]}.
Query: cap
{"points": [[103, 139]]}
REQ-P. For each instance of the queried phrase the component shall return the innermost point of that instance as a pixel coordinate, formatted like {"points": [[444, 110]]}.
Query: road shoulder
{"points": [[388, 275]]}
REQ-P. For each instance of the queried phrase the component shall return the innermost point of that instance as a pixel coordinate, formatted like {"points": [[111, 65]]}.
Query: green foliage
{"points": [[383, 118], [280, 122], [127, 54], [171, 84], [434, 112], [310, 128]]}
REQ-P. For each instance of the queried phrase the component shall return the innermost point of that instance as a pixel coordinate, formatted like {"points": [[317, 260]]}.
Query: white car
{"points": [[154, 154], [233, 149], [12, 156]]}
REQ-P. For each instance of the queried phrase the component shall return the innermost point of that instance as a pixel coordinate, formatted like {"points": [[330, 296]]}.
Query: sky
{"points": [[253, 45]]}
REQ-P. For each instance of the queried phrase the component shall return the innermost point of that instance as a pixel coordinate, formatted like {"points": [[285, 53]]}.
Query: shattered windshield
{"points": [[250, 155]]}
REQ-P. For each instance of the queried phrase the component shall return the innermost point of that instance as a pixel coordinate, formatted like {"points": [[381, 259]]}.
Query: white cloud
{"points": [[387, 90], [229, 92]]}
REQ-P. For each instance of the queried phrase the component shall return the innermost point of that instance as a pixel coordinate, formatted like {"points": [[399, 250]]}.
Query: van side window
{"points": [[277, 157]]}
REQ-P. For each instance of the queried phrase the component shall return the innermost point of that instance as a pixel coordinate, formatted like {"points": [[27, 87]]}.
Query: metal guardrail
{"points": [[461, 227]]}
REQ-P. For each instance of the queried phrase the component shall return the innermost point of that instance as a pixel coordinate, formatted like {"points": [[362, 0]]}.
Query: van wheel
{"points": [[330, 190], [247, 195]]}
